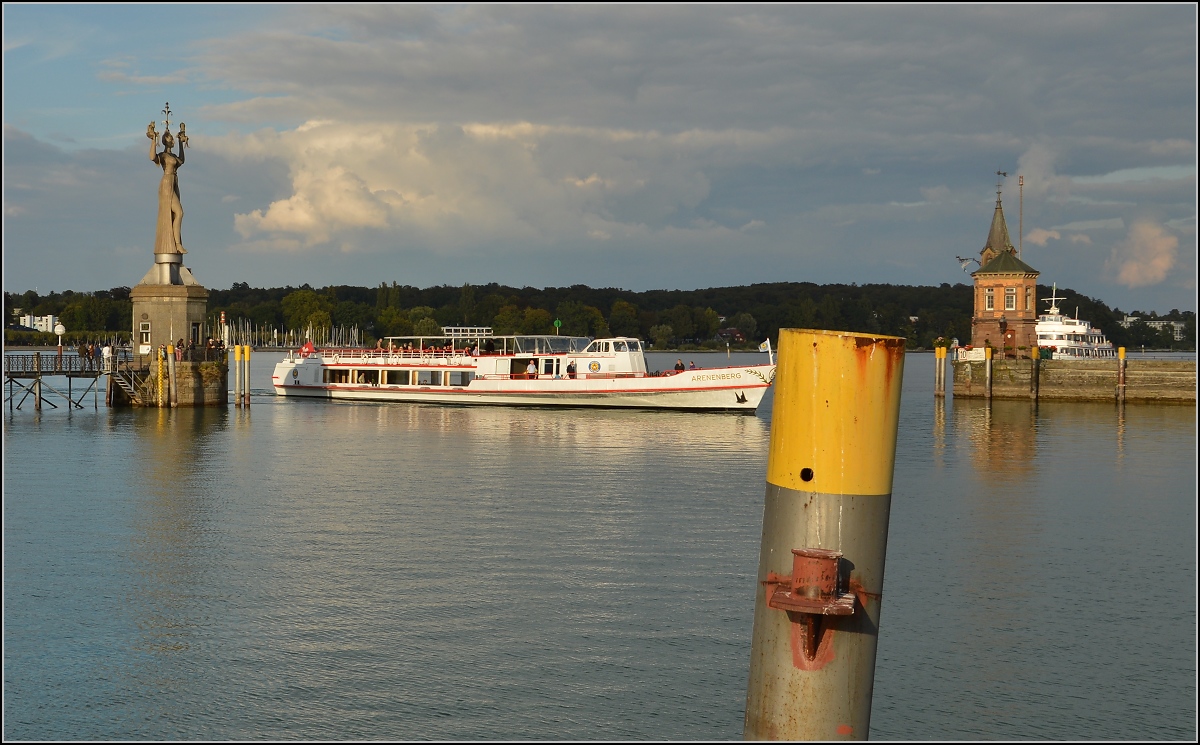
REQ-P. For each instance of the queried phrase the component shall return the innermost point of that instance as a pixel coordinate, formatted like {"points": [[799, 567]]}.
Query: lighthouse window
{"points": [[1010, 298], [989, 299]]}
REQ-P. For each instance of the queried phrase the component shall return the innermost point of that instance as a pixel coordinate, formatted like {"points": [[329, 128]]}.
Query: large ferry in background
{"points": [[1070, 338], [469, 365]]}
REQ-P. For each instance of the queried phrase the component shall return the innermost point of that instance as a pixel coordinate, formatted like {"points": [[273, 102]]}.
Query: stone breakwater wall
{"points": [[1163, 381], [200, 384]]}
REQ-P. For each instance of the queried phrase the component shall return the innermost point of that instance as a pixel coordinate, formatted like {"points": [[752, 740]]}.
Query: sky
{"points": [[630, 146]]}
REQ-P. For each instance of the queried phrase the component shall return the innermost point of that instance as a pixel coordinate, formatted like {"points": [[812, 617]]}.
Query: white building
{"points": [[1176, 326], [40, 323]]}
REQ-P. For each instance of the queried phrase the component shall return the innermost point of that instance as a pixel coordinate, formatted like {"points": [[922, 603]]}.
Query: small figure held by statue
{"points": [[167, 234]]}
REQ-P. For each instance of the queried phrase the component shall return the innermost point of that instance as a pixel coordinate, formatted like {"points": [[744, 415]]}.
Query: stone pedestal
{"points": [[168, 305]]}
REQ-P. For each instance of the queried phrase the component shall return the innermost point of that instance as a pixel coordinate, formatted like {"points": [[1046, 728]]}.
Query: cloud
{"points": [[459, 185], [1081, 238], [1036, 164], [1146, 256], [1039, 236]]}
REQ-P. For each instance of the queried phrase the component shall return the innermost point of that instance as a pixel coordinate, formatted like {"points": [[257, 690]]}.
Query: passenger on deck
{"points": [[679, 366], [691, 364], [531, 370], [571, 369]]}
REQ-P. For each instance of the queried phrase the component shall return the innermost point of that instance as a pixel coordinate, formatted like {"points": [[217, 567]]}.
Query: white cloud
{"points": [[1039, 236], [482, 182], [1146, 256]]}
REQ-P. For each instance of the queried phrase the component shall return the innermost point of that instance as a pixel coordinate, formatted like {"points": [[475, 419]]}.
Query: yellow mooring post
{"points": [[161, 375], [987, 366], [246, 377], [173, 383], [237, 375], [825, 523], [939, 372]]}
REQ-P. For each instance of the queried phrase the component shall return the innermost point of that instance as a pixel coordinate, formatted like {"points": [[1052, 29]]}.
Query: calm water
{"points": [[316, 570]]}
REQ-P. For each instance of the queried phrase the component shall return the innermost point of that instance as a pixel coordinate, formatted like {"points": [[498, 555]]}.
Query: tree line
{"points": [[706, 318]]}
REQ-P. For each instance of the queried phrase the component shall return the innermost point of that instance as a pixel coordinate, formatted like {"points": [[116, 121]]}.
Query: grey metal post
{"points": [[825, 521]]}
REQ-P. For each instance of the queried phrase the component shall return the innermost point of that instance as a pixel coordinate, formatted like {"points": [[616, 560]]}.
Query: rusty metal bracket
{"points": [[814, 590], [815, 586]]}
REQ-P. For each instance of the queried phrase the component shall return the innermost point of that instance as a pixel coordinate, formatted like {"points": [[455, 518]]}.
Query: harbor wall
{"points": [[1163, 381], [200, 384]]}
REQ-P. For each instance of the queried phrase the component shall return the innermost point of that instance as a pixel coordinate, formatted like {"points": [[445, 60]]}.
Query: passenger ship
{"points": [[468, 365], [1070, 338]]}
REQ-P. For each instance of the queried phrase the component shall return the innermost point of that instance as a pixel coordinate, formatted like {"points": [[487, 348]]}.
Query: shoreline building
{"points": [[1005, 313]]}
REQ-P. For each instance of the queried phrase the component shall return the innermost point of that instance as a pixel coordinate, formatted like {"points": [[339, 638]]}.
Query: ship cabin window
{"points": [[619, 346], [989, 299], [635, 346], [365, 377], [335, 376], [460, 377], [429, 377], [1010, 298], [397, 377]]}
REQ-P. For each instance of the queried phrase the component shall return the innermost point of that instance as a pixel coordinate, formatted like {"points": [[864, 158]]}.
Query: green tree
{"points": [[421, 311], [537, 321], [393, 322], [706, 323], [745, 323], [319, 320], [662, 335], [427, 327], [300, 306], [466, 304], [581, 320], [623, 320], [508, 320], [680, 319]]}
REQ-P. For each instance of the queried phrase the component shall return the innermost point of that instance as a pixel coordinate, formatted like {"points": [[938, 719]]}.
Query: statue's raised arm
{"points": [[153, 135]]}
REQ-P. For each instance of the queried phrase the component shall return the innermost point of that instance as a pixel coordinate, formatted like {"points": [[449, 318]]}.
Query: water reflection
{"points": [[939, 432], [1002, 437], [170, 526]]}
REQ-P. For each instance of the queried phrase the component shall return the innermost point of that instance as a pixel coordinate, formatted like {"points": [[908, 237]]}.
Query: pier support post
{"points": [[987, 367], [1121, 375], [937, 373], [1035, 373], [37, 381], [825, 522]]}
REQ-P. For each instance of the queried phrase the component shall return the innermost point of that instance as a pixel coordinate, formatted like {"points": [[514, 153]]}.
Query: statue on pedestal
{"points": [[167, 238]]}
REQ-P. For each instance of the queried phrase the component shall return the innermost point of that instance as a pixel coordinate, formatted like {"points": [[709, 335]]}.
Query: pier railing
{"points": [[52, 363]]}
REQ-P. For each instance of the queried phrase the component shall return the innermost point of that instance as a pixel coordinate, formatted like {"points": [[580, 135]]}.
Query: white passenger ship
{"points": [[469, 365], [1070, 338]]}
